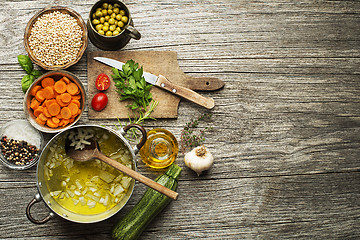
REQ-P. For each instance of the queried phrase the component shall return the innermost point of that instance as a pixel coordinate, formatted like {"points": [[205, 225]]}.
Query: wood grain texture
{"points": [[286, 125]]}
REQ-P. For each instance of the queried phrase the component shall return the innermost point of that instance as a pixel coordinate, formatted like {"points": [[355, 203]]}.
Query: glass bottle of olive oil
{"points": [[160, 150]]}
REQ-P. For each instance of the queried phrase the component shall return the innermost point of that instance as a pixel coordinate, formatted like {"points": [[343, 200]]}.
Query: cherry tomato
{"points": [[99, 101], [102, 82]]}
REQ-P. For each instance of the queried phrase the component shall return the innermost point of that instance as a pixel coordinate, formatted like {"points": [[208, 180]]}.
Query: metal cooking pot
{"points": [[55, 208]]}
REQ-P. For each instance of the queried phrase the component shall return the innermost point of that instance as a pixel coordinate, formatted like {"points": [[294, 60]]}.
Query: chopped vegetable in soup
{"points": [[90, 187]]}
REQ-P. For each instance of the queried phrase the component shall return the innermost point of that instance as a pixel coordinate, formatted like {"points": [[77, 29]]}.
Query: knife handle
{"points": [[186, 93]]}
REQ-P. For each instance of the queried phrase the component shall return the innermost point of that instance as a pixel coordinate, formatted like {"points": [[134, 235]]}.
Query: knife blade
{"points": [[163, 83]]}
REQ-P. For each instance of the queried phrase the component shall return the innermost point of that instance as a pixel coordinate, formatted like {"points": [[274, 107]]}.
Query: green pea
{"points": [[95, 21], [111, 21], [105, 5], [109, 33], [99, 27], [122, 12], [98, 14], [120, 24], [116, 10], [112, 28], [124, 19]]}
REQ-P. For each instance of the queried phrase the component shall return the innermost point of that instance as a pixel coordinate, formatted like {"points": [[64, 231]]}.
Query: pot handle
{"points": [[37, 199], [143, 132]]}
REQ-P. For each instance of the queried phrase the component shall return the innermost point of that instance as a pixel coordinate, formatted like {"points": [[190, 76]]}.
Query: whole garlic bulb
{"points": [[199, 159]]}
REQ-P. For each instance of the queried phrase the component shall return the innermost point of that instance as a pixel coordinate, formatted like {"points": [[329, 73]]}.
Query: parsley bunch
{"points": [[131, 84]]}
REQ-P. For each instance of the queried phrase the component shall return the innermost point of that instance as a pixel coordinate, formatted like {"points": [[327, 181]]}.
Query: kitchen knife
{"points": [[163, 83]]}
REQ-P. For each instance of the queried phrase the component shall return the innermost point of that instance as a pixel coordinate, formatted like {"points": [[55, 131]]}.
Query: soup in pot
{"points": [[90, 187]]}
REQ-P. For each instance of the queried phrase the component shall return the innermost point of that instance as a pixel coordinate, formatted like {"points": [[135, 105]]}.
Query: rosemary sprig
{"points": [[191, 138]]}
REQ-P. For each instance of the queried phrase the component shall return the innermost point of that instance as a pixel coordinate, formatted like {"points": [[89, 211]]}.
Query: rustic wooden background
{"points": [[286, 128]]}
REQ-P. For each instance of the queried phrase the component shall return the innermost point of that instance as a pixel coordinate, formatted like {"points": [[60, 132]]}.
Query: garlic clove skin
{"points": [[199, 159]]}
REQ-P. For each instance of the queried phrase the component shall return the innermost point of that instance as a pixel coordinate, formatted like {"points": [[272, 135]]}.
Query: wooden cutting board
{"points": [[155, 62]]}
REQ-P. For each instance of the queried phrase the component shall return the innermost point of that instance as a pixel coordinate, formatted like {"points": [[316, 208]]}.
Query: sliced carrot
{"points": [[79, 112], [77, 102], [47, 82], [38, 110], [71, 120], [46, 112], [58, 116], [60, 102], [72, 88], [51, 124], [65, 79], [34, 90], [65, 97], [48, 92], [40, 96], [76, 97], [54, 109], [55, 120], [66, 113], [34, 104], [66, 121], [42, 117], [49, 102], [73, 108], [60, 86], [39, 121]]}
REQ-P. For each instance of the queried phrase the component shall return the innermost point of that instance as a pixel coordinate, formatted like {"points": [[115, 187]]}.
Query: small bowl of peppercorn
{"points": [[20, 145]]}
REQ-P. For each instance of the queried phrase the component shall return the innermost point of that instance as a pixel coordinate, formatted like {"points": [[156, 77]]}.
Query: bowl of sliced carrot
{"points": [[55, 101]]}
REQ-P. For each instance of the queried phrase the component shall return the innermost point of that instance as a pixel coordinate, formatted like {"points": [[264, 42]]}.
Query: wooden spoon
{"points": [[92, 151]]}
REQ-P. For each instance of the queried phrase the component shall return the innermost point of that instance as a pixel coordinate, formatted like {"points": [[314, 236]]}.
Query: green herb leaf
{"points": [[26, 82], [36, 73], [25, 63]]}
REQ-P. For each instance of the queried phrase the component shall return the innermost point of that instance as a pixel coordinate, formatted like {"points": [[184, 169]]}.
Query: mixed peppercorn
{"points": [[18, 152]]}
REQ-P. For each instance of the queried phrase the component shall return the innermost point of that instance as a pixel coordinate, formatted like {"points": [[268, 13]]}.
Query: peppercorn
{"points": [[18, 152]]}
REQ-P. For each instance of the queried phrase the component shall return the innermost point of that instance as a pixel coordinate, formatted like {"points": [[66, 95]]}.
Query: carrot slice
{"points": [[34, 104], [46, 112], [66, 113], [65, 79], [73, 108], [55, 120], [39, 121], [76, 97], [38, 110], [77, 102], [42, 117], [71, 120], [51, 124], [60, 86], [34, 90], [65, 97], [58, 116], [65, 122], [47, 82], [72, 88], [60, 102], [54, 109], [40, 96], [48, 92], [49, 102]]}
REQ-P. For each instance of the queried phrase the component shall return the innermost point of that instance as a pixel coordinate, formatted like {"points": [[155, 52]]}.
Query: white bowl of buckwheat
{"points": [[56, 38]]}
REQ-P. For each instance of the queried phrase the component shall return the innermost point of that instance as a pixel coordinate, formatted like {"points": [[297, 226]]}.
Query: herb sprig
{"points": [[131, 84], [31, 75], [191, 138]]}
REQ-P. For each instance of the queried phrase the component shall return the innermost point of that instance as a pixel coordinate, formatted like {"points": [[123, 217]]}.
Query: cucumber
{"points": [[151, 203]]}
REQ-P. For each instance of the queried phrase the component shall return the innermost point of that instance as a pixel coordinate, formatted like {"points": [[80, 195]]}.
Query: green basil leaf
{"points": [[26, 82], [36, 73], [25, 63]]}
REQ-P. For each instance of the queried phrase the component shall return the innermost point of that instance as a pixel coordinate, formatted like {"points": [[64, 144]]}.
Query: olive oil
{"points": [[160, 150]]}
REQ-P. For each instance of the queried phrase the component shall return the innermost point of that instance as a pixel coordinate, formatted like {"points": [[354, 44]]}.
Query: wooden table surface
{"points": [[286, 126]]}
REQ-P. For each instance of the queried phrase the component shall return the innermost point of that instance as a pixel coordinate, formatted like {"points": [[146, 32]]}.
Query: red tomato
{"points": [[99, 101], [102, 82]]}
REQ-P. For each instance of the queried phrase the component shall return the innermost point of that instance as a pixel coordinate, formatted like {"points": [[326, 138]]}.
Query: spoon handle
{"points": [[141, 178]]}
